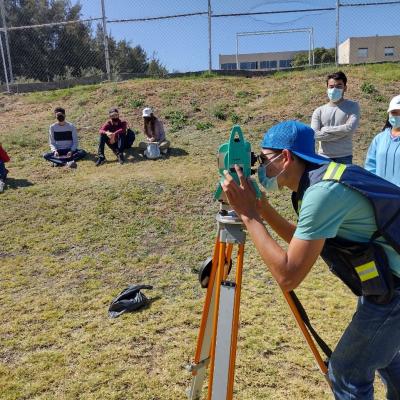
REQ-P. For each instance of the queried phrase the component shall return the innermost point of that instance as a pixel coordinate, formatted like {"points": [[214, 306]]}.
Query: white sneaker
{"points": [[72, 164], [2, 184]]}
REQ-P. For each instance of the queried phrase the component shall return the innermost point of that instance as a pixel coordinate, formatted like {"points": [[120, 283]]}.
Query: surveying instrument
{"points": [[217, 339]]}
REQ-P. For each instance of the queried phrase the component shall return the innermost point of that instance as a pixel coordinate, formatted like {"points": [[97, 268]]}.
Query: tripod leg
{"points": [[219, 278], [229, 248], [235, 322], [202, 354], [320, 362]]}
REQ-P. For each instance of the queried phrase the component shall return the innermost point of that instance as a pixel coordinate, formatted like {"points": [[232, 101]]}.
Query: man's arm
{"points": [[316, 123], [279, 224], [52, 141], [121, 130], [332, 133], [288, 268], [105, 128]]}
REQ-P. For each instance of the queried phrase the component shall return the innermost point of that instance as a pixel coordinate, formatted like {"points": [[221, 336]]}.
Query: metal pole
{"points": [[309, 47], [337, 32], [209, 37], [3, 16], [237, 51], [4, 64], [105, 41], [312, 46]]}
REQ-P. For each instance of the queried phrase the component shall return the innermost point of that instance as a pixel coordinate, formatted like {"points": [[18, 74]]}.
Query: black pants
{"points": [[117, 147], [76, 155]]}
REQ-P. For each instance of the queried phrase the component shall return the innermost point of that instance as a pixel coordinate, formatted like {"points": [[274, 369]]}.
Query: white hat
{"points": [[147, 112], [394, 104]]}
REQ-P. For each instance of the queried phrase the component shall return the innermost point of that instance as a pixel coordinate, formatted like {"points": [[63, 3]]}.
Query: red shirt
{"points": [[3, 155], [117, 128]]}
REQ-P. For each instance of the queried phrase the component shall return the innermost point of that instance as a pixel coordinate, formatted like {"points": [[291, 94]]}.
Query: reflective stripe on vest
{"points": [[334, 171], [367, 271]]}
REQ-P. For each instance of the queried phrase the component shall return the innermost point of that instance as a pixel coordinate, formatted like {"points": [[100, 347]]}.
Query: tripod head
{"points": [[236, 151]]}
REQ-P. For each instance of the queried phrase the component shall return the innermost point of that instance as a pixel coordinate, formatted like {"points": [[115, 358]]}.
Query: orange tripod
{"points": [[217, 340]]}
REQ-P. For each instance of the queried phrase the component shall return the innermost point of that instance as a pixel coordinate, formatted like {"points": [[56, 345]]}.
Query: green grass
{"points": [[71, 240]]}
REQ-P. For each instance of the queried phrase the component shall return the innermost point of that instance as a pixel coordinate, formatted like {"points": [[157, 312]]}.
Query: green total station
{"points": [[236, 151]]}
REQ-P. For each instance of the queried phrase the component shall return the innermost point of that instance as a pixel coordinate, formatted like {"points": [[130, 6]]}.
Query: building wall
{"points": [[344, 52], [372, 49], [261, 61]]}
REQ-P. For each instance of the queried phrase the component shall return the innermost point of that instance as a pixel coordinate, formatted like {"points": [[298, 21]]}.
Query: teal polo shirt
{"points": [[330, 209]]}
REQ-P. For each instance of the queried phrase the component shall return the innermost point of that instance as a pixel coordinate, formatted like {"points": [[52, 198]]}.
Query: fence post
{"points": [[209, 37], [105, 41], [337, 32], [3, 16], [4, 63]]}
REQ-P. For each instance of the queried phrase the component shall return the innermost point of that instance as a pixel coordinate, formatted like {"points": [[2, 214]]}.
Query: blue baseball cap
{"points": [[296, 137]]}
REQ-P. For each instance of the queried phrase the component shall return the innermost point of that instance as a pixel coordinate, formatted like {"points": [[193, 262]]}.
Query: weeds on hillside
{"points": [[220, 111], [177, 119], [137, 102], [203, 126]]}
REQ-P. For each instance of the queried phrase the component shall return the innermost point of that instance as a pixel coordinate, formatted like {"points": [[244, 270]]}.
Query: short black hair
{"points": [[59, 110], [337, 76], [113, 110]]}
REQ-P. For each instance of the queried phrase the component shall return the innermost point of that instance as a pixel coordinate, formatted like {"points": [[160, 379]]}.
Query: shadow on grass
{"points": [[134, 154], [13, 183]]}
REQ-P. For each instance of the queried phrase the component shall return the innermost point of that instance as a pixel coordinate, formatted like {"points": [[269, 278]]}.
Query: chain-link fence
{"points": [[54, 43]]}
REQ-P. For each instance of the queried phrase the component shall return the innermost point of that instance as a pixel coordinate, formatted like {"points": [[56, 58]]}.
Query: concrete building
{"points": [[259, 61], [355, 50]]}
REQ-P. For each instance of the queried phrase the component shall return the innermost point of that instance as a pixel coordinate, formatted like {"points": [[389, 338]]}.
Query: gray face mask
{"points": [[270, 184]]}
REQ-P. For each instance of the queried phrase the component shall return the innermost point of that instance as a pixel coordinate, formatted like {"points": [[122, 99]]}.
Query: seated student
{"points": [[3, 170], [153, 131], [383, 157], [63, 139], [112, 134]]}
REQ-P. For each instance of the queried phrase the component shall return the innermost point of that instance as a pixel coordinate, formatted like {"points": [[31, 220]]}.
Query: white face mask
{"points": [[270, 184]]}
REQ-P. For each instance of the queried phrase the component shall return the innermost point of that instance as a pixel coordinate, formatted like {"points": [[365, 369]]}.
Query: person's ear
{"points": [[344, 88], [287, 157]]}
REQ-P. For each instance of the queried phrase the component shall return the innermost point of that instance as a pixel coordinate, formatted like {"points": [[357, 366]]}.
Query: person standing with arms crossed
{"points": [[334, 123]]}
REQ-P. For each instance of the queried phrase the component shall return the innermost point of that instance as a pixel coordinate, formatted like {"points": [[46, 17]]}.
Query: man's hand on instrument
{"points": [[242, 198]]}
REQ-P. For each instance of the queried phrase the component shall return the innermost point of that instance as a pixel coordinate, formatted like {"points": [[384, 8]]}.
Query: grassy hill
{"points": [[71, 240]]}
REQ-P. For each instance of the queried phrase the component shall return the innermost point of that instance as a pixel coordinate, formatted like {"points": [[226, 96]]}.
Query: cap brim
{"points": [[316, 159]]}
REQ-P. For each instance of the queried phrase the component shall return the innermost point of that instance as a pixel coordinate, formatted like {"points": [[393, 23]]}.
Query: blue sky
{"points": [[182, 44]]}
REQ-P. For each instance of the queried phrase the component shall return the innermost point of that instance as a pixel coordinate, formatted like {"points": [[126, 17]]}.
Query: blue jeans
{"points": [[343, 160], [78, 154], [3, 171], [370, 343]]}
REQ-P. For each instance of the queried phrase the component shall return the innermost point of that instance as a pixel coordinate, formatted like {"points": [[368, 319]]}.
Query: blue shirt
{"points": [[330, 209], [383, 157]]}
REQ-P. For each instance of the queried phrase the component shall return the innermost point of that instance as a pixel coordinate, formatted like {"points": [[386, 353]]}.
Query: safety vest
{"points": [[363, 267]]}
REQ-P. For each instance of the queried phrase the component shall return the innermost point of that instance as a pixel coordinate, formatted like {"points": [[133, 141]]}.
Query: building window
{"points": [[268, 64], [389, 51], [229, 66], [248, 65], [285, 63], [362, 52]]}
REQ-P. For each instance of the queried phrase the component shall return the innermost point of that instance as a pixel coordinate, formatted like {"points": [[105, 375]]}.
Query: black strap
{"points": [[324, 347]]}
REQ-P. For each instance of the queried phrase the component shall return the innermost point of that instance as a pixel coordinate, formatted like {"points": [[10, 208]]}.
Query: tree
{"points": [[60, 51], [321, 56], [156, 68]]}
